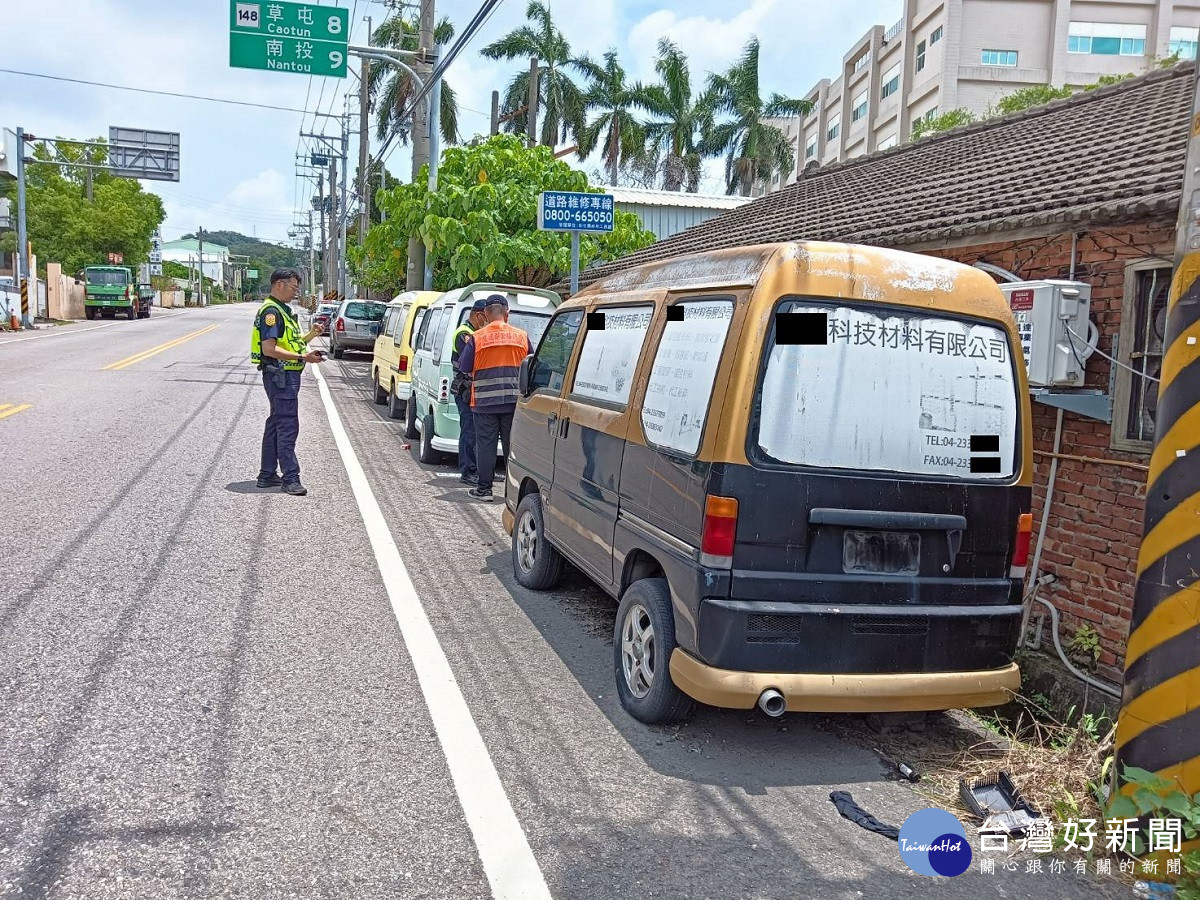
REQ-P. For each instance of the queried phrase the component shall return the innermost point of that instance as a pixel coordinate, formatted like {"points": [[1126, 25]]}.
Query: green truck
{"points": [[110, 289]]}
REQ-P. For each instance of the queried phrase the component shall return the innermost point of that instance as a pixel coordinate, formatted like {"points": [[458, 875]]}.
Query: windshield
{"points": [[533, 324], [106, 277], [890, 390], [372, 312]]}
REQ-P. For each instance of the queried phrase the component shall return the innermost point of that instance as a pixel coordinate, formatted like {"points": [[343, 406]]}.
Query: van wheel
{"points": [[536, 563], [428, 455], [643, 641], [410, 421], [338, 352], [381, 396], [394, 406]]}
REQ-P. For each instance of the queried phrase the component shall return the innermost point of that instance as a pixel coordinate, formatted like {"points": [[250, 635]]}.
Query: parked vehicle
{"points": [[355, 325], [111, 289], [804, 469], [432, 415], [323, 314], [391, 371]]}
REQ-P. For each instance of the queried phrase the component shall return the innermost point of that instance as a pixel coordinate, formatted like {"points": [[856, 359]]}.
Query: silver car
{"points": [[355, 326]]}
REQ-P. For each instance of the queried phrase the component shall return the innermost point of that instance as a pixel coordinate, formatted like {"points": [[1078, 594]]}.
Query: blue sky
{"points": [[238, 163]]}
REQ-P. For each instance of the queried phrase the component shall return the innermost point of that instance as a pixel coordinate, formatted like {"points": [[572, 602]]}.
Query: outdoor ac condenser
{"points": [[1057, 334]]}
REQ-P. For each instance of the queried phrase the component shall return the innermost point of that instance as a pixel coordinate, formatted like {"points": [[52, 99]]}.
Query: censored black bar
{"points": [[985, 443], [595, 321], [807, 328], [985, 465]]}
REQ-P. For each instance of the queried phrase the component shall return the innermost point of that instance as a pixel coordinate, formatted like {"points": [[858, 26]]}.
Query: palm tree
{"points": [[681, 119], [390, 87], [560, 102], [754, 150], [616, 130]]}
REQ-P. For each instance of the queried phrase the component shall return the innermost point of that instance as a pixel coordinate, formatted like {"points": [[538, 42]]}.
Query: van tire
{"points": [[338, 352], [647, 604], [394, 408], [381, 396], [428, 455], [410, 420], [537, 564]]}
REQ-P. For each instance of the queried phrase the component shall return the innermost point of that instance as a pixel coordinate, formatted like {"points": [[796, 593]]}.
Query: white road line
{"points": [[508, 861], [59, 333]]}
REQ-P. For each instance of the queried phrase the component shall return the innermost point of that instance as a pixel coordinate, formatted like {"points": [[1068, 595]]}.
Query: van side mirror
{"points": [[523, 376]]}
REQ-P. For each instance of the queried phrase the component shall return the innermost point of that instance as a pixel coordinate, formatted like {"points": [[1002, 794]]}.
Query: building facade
{"points": [[187, 252], [944, 55], [669, 212]]}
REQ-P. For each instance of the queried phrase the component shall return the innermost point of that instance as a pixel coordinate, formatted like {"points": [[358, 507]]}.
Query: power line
{"points": [[138, 90]]}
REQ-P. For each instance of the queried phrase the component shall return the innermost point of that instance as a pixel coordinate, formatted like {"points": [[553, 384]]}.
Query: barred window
{"points": [[1143, 325]]}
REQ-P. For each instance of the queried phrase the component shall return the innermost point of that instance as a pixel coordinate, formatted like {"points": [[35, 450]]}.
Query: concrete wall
{"points": [[64, 295], [170, 299]]}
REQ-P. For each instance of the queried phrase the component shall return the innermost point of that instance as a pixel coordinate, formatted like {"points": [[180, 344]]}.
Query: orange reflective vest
{"points": [[499, 349]]}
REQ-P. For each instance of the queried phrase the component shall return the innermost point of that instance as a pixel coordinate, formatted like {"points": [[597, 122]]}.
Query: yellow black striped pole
{"points": [[1159, 725], [25, 299]]}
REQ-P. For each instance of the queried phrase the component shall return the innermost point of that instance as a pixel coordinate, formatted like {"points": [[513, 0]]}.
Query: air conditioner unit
{"points": [[1056, 330]]}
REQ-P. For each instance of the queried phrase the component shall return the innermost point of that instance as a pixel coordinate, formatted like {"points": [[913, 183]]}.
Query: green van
{"points": [[432, 415]]}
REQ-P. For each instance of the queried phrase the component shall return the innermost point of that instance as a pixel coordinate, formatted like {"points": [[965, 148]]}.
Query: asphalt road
{"points": [[210, 690]]}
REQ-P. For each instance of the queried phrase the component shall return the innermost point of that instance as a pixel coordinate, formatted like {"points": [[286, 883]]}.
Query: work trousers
{"points": [[466, 436], [283, 425], [488, 428]]}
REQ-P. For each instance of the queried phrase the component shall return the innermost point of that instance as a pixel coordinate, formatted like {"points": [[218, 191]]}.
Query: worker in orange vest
{"points": [[493, 355]]}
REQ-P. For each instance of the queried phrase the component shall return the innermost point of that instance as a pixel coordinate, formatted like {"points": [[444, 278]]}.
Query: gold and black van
{"points": [[804, 469]]}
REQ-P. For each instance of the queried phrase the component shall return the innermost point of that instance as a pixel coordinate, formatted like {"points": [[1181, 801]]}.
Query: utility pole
{"points": [[495, 126], [312, 257], [332, 276], [423, 65], [435, 153], [364, 144], [343, 218], [531, 115], [200, 251], [22, 254], [1160, 708], [324, 240]]}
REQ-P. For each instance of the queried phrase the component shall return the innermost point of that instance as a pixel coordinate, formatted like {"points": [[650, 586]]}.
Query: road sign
{"points": [[572, 211], [252, 273], [306, 38], [116, 258], [137, 153]]}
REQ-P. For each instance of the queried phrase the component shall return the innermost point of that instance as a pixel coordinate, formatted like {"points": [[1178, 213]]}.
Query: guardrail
{"points": [[862, 61], [893, 32]]}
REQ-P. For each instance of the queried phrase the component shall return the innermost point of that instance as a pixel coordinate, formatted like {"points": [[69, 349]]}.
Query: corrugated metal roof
{"points": [[676, 198]]}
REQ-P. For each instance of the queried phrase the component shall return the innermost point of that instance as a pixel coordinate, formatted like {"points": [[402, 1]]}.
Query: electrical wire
{"points": [[1071, 331], [138, 90]]}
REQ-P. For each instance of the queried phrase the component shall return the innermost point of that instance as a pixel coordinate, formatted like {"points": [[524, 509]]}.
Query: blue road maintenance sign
{"points": [[575, 211]]}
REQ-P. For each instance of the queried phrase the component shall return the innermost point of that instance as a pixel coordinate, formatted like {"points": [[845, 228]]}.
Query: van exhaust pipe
{"points": [[772, 703]]}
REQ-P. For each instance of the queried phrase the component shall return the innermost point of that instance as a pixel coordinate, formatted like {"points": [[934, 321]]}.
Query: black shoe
{"points": [[483, 494], [295, 488], [466, 479], [269, 481]]}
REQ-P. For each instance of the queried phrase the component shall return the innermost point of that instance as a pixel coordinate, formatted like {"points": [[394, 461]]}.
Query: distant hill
{"points": [[264, 255]]}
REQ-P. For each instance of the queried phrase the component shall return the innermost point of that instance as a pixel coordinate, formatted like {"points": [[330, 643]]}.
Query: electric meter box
{"points": [[1044, 310]]}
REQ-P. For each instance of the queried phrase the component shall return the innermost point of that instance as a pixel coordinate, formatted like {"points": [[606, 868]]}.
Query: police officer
{"points": [[279, 349], [493, 357], [461, 388]]}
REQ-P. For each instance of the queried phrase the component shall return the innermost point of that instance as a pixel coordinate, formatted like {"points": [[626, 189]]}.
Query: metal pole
{"points": [[364, 145], [200, 250], [435, 153], [334, 275], [324, 239], [343, 262], [531, 114], [312, 257], [574, 263], [22, 254], [1160, 709], [494, 129], [420, 139]]}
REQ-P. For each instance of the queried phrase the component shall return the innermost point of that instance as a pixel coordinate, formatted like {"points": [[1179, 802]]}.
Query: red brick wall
{"points": [[1095, 521]]}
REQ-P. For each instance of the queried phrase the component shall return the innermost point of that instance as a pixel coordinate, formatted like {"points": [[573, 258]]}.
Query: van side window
{"points": [[427, 326], [685, 369], [611, 347], [549, 367], [439, 337]]}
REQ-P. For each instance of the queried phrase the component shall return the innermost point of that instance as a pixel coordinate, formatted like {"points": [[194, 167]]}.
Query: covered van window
{"points": [[107, 277], [890, 390]]}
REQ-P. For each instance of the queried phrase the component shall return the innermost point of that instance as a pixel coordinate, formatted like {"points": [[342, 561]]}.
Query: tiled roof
{"points": [[1110, 155]]}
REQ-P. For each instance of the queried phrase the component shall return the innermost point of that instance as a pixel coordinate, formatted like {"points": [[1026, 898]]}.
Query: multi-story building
{"points": [[967, 54]]}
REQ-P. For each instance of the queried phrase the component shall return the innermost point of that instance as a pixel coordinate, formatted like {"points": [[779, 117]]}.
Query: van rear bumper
{"points": [[850, 693]]}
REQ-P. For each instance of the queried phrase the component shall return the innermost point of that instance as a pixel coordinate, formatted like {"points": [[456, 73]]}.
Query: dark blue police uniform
{"points": [[283, 393]]}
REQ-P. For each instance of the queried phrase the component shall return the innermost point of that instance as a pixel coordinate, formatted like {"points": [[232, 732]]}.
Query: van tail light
{"points": [[1021, 546], [340, 325], [444, 390], [720, 529], [403, 364]]}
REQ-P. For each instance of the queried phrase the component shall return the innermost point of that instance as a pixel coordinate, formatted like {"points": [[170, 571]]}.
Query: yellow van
{"points": [[391, 367], [804, 470]]}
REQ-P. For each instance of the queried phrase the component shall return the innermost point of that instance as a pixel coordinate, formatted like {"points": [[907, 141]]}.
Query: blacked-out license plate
{"points": [[886, 552]]}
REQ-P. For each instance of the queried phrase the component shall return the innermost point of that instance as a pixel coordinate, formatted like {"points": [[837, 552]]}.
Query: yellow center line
{"points": [[154, 351], [15, 409]]}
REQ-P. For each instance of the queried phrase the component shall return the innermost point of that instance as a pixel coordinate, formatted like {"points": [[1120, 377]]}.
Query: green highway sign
{"points": [[252, 273], [305, 38]]}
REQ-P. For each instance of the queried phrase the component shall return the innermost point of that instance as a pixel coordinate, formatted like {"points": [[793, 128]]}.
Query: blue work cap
{"points": [[496, 300], [479, 305]]}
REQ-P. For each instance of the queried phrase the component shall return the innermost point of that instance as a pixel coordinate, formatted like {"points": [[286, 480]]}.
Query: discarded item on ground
{"points": [[905, 770], [999, 803], [406, 446], [850, 810], [1153, 889]]}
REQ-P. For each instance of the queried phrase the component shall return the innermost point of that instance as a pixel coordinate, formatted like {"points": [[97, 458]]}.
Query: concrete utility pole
{"points": [[495, 125], [343, 218], [200, 251], [333, 276], [1159, 722], [312, 257], [22, 255], [435, 153], [421, 117], [324, 240], [531, 115], [364, 144]]}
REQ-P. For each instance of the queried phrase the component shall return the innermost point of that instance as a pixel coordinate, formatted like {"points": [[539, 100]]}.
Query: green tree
{"points": [[680, 119], [1029, 97], [481, 223], [947, 120], [65, 227], [561, 105], [390, 87], [754, 149], [615, 129]]}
